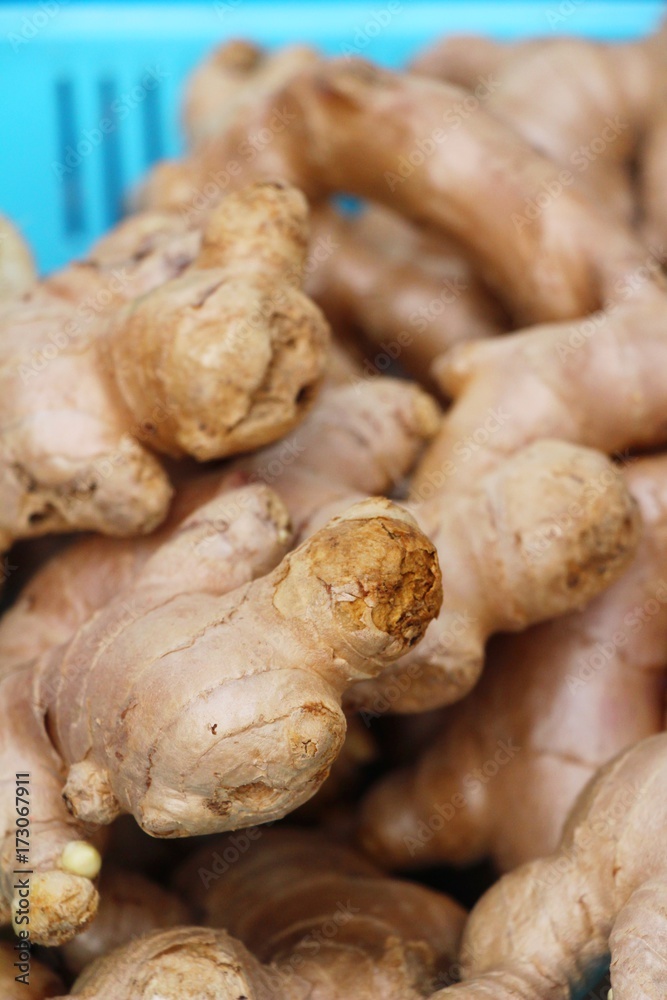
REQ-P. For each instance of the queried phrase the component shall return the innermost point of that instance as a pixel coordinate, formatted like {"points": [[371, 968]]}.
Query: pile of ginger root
{"points": [[334, 544]]}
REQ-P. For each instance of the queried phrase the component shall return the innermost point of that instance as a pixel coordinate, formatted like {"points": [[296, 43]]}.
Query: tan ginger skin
{"points": [[362, 438], [353, 127], [142, 252], [221, 359], [591, 107], [213, 764], [394, 419], [539, 933], [567, 695], [359, 438], [17, 268], [585, 105], [596, 382], [235, 77], [412, 295], [652, 187], [370, 574], [315, 922], [544, 931], [130, 905], [540, 535], [550, 508], [324, 916], [383, 271], [224, 543]]}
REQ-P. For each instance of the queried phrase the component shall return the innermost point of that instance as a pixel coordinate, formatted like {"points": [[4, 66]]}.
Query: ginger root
{"points": [[543, 932], [361, 438], [160, 669], [357, 439], [323, 915], [17, 268], [584, 104], [234, 537], [595, 382], [355, 128], [182, 963], [313, 918], [540, 535], [221, 359], [233, 78], [565, 697], [131, 905], [412, 295], [367, 586]]}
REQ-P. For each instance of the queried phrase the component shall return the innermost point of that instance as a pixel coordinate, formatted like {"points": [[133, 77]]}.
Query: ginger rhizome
{"points": [[324, 916], [218, 360], [411, 294], [543, 932], [220, 546], [351, 599], [17, 268], [584, 104], [540, 535], [595, 382], [566, 696], [358, 439], [304, 917], [130, 905], [478, 187], [199, 678], [348, 601], [232, 79]]}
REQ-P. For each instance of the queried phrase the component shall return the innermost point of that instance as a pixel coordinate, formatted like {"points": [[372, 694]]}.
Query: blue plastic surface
{"points": [[105, 79]]}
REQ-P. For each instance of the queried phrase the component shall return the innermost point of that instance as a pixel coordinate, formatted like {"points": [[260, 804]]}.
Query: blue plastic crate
{"points": [[91, 91]]}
